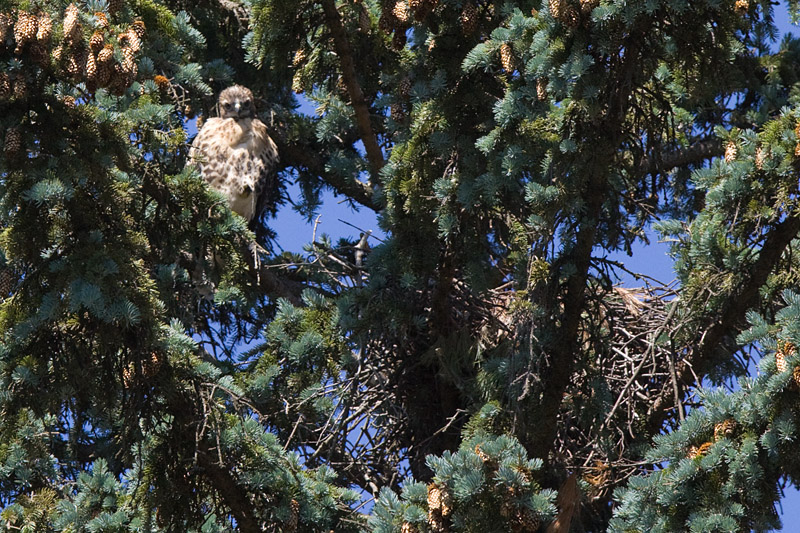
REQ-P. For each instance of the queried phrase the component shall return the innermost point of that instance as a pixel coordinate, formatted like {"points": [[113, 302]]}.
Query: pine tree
{"points": [[476, 369]]}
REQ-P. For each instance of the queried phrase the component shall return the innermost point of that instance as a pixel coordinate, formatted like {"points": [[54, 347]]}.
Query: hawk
{"points": [[236, 156]]}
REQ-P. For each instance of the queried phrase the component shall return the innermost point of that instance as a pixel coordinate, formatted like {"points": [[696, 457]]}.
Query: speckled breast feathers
{"points": [[234, 153]]}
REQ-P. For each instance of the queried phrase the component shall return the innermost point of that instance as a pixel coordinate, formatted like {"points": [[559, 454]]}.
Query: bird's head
{"points": [[236, 102]]}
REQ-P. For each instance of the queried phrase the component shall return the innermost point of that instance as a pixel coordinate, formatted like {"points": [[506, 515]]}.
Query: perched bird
{"points": [[236, 156]]}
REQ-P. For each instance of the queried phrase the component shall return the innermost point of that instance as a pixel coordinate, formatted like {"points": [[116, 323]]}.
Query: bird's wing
{"points": [[204, 143]]}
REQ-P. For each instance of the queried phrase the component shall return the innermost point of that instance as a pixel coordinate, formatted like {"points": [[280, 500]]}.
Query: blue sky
{"points": [[335, 218]]}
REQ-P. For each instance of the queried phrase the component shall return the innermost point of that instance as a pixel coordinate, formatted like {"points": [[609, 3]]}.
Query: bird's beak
{"points": [[237, 106]]}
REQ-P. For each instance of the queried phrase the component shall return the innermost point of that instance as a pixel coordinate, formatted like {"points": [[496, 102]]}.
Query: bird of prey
{"points": [[236, 156]]}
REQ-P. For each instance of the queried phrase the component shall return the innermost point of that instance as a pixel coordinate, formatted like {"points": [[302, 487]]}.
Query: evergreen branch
{"points": [[563, 347], [343, 50], [295, 155], [694, 154], [698, 359], [232, 494]]}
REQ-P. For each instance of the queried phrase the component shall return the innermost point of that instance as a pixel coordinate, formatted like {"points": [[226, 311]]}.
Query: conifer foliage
{"points": [[471, 367]]}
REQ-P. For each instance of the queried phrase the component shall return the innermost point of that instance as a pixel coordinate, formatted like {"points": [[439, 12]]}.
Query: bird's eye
{"points": [[247, 103], [227, 105]]}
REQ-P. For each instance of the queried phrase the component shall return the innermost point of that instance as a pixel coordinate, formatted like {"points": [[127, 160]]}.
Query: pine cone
{"points": [[300, 57], [731, 151], [101, 21], [742, 7], [25, 29], [120, 81], [20, 88], [69, 101], [408, 527], [525, 521], [105, 65], [422, 8], [7, 281], [13, 142], [404, 87], [298, 85], [397, 112], [139, 28], [761, 157], [45, 28], [72, 28], [780, 362], [39, 54], [787, 349], [130, 39], [434, 497], [6, 24], [469, 18], [76, 63], [129, 63], [5, 86], [114, 6], [128, 375], [58, 52], [96, 42], [699, 451], [188, 112], [401, 12], [725, 429], [571, 17], [151, 366], [507, 58], [588, 5], [294, 518], [541, 88], [703, 448], [91, 67], [557, 8], [161, 82]]}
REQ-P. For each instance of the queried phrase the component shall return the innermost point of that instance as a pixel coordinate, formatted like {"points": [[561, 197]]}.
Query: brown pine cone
{"points": [[541, 88], [731, 151], [72, 27], [20, 88], [105, 65], [129, 62], [13, 142], [25, 29], [5, 86], [91, 67], [402, 11], [139, 28], [45, 28], [96, 42], [507, 58], [39, 54], [130, 39], [7, 281], [161, 82], [6, 25], [101, 20], [114, 6], [469, 19]]}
